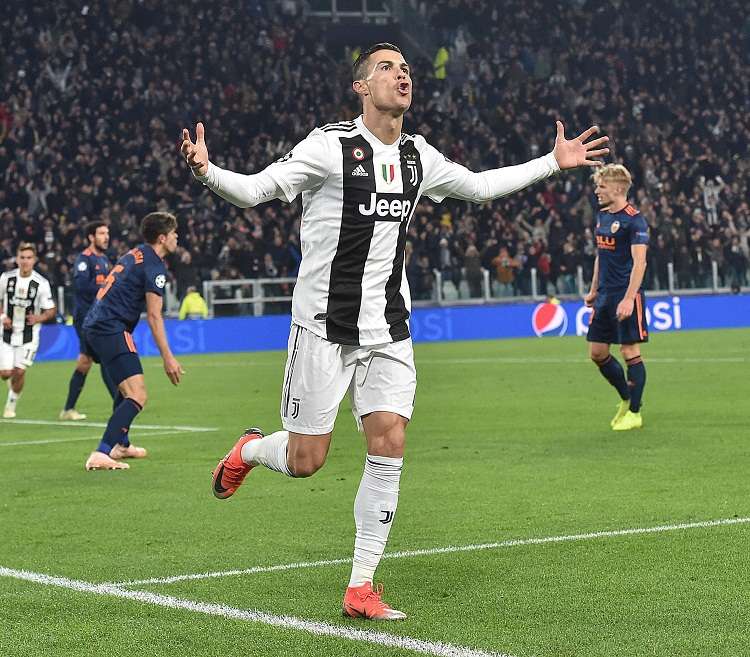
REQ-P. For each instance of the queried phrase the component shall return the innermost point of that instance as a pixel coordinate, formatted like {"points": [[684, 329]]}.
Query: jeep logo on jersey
{"points": [[392, 208]]}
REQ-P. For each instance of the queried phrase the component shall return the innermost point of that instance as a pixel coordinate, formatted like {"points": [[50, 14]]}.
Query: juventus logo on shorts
{"points": [[295, 408], [388, 517]]}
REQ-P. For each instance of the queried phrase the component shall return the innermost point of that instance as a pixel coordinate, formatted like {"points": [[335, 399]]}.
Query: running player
{"points": [[26, 304], [616, 296], [360, 183], [136, 283], [90, 270]]}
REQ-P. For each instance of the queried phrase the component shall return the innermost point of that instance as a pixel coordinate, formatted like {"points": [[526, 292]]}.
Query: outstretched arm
{"points": [[306, 167], [240, 189], [458, 182]]}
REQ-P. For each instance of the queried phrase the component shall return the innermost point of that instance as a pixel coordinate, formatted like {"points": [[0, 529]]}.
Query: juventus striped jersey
{"points": [[358, 196], [22, 296]]}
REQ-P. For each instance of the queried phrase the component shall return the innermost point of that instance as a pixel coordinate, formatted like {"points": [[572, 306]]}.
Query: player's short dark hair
{"points": [[360, 66], [157, 223], [92, 226], [26, 246]]}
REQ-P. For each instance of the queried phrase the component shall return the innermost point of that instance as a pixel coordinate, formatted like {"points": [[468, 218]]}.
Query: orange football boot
{"points": [[365, 602], [231, 471]]}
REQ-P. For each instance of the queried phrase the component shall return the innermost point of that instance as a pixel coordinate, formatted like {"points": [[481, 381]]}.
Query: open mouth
{"points": [[403, 88]]}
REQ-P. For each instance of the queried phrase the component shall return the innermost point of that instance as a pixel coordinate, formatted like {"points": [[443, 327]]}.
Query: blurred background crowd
{"points": [[93, 98]]}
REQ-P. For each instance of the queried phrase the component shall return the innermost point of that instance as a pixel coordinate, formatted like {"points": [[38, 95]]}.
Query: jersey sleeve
{"points": [[83, 277], [45, 295], [155, 274], [638, 230], [305, 167], [442, 177]]}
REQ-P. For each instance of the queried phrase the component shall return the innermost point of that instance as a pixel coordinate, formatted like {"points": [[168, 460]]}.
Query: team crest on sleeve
{"points": [[160, 281], [615, 227], [358, 154], [82, 266]]}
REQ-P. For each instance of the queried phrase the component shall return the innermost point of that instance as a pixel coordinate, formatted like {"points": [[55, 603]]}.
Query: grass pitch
{"points": [[510, 440]]}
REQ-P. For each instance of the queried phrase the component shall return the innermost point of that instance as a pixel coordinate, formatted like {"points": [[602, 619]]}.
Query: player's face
{"points": [[607, 193], [25, 261], [170, 242], [388, 81], [101, 238]]}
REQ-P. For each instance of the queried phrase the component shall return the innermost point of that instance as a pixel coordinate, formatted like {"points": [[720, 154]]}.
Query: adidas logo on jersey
{"points": [[360, 171]]}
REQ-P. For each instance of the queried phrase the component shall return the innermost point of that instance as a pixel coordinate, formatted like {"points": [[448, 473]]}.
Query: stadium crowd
{"points": [[93, 97]]}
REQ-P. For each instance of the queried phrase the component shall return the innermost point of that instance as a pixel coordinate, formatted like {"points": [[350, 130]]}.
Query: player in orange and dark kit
{"points": [[619, 305]]}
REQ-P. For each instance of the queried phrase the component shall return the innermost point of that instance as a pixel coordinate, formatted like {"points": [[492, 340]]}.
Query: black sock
{"points": [[74, 389], [613, 372], [119, 424], [636, 381]]}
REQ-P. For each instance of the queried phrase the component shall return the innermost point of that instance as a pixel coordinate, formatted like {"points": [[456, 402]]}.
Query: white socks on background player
{"points": [[269, 451], [10, 403], [374, 510]]}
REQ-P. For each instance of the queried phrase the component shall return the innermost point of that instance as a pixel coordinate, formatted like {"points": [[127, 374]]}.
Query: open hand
{"points": [[574, 152], [195, 154]]}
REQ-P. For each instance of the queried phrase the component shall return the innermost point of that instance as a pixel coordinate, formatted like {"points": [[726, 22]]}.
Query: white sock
{"points": [[269, 451], [12, 398], [374, 510]]}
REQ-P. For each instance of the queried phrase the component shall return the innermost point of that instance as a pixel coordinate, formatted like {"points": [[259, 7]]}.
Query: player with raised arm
{"points": [[27, 303], [136, 283], [360, 182], [616, 296], [89, 273]]}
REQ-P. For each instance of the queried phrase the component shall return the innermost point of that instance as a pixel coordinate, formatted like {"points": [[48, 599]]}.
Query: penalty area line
{"points": [[51, 441], [319, 628], [52, 423], [450, 549]]}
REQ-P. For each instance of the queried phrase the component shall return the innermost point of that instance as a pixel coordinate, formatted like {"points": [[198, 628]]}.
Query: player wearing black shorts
{"points": [[136, 283], [618, 302], [89, 273]]}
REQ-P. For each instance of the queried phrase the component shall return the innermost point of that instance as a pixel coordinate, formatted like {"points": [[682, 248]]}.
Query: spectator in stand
{"points": [[193, 306]]}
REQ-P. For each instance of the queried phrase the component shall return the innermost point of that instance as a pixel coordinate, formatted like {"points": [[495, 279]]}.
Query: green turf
{"points": [[510, 440]]}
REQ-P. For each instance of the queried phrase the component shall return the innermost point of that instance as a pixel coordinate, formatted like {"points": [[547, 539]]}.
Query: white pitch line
{"points": [[541, 360], [83, 438], [438, 649], [507, 360], [52, 423], [446, 550]]}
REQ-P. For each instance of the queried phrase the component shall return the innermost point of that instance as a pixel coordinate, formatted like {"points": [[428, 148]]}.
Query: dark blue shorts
{"points": [[116, 353], [604, 326], [83, 345]]}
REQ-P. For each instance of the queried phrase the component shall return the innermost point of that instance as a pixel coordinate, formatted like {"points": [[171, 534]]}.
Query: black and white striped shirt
{"points": [[22, 296], [358, 196]]}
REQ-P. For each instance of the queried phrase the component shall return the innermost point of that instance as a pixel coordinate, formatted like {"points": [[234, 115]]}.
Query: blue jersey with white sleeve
{"points": [[90, 272], [122, 299], [616, 232]]}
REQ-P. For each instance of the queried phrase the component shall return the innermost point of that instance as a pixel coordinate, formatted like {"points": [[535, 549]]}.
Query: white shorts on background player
{"points": [[20, 357], [319, 373]]}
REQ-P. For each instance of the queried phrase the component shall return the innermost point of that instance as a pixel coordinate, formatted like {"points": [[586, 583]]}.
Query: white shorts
{"points": [[17, 357], [318, 374]]}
